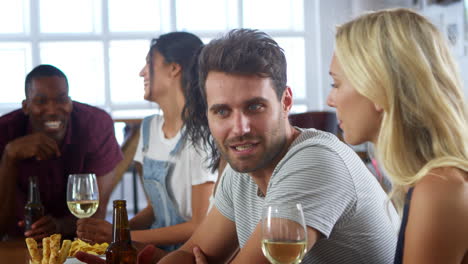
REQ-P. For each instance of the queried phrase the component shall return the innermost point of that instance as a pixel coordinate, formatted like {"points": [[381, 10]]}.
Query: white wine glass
{"points": [[284, 233], [82, 194]]}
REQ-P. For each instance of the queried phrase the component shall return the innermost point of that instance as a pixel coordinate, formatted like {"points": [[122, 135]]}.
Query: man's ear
{"points": [[24, 107], [287, 100]]}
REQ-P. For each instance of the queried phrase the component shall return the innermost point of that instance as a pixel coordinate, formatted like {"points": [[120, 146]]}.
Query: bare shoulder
{"points": [[437, 231], [444, 181], [443, 194]]}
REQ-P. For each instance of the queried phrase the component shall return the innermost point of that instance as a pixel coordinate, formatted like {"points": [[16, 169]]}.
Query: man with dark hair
{"points": [[244, 94], [50, 137], [241, 111]]}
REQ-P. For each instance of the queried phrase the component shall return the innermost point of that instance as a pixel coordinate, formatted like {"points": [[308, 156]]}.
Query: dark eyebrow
{"points": [[248, 102], [217, 107], [256, 100], [64, 94]]}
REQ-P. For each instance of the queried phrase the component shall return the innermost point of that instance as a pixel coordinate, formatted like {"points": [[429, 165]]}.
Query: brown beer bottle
{"points": [[121, 250], [34, 209]]}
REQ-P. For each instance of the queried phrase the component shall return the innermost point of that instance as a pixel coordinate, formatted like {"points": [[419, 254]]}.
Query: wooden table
{"points": [[14, 251]]}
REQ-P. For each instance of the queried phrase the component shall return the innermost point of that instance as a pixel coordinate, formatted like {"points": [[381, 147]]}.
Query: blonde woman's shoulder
{"points": [[444, 183], [437, 231], [447, 175]]}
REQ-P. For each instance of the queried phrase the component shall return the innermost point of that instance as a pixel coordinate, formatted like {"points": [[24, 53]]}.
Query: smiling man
{"points": [[52, 137], [242, 113]]}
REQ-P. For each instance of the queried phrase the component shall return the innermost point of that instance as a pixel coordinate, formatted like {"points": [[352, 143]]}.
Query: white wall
{"points": [[320, 41], [464, 72], [330, 13], [442, 16]]}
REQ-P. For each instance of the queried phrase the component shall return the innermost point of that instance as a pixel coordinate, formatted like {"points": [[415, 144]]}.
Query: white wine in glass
{"points": [[284, 234], [82, 194]]}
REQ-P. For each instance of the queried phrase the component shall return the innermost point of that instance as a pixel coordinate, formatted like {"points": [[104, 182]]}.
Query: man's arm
{"points": [[216, 236], [37, 146], [8, 175], [48, 225]]}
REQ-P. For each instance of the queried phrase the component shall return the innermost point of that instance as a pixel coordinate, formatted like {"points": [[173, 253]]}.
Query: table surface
{"points": [[15, 251]]}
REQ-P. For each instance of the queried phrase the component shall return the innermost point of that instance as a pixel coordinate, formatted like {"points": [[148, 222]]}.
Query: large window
{"points": [[101, 44]]}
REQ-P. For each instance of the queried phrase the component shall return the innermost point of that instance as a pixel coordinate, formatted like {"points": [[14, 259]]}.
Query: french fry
{"points": [[64, 251], [33, 251], [54, 248], [79, 245], [45, 250]]}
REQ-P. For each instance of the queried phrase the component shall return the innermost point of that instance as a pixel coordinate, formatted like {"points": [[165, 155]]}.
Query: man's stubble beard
{"points": [[270, 153]]}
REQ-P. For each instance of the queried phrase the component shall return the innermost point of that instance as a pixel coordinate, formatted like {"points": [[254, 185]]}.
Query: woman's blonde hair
{"points": [[402, 63]]}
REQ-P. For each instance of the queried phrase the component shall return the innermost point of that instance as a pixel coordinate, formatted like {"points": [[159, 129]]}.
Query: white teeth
{"points": [[53, 124], [243, 147]]}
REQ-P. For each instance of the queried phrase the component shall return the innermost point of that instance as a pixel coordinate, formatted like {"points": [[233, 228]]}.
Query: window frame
{"points": [[314, 98]]}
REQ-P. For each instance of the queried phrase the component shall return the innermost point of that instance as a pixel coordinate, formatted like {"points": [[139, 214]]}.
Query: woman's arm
{"points": [[99, 230], [143, 219], [437, 229], [179, 233]]}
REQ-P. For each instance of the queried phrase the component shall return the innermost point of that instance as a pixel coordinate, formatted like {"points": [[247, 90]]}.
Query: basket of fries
{"points": [[53, 253]]}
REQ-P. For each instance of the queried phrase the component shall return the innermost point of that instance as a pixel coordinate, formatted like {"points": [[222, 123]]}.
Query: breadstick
{"points": [[56, 238], [33, 251], [45, 250], [54, 248], [64, 251]]}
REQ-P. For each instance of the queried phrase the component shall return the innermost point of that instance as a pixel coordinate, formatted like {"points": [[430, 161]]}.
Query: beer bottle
{"points": [[121, 250], [34, 209]]}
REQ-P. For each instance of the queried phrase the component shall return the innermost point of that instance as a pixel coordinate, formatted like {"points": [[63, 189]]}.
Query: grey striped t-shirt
{"points": [[340, 197]]}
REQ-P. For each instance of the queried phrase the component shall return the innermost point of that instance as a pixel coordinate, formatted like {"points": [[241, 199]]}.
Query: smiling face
{"points": [[48, 106], [156, 85], [247, 120], [145, 74], [357, 116]]}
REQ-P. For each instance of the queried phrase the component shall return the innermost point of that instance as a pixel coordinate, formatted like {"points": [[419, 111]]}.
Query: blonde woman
{"points": [[396, 84]]}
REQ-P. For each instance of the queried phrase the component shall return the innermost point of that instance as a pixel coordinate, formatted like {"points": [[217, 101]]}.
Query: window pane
{"points": [[82, 62], [195, 15], [277, 14], [206, 40], [298, 108], [294, 50], [70, 16], [126, 59], [140, 15], [466, 25], [14, 16], [16, 63]]}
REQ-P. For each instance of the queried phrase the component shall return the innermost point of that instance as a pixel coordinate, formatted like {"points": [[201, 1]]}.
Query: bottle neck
{"points": [[121, 228], [33, 196]]}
